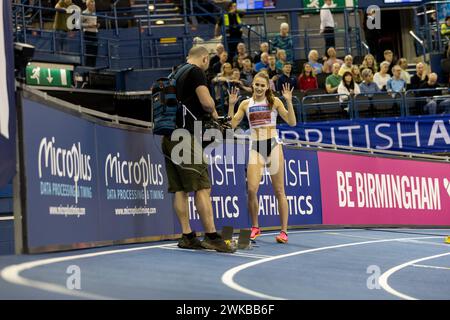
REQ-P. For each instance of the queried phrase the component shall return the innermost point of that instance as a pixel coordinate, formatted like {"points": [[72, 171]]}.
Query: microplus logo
{"points": [[142, 172], [64, 163]]}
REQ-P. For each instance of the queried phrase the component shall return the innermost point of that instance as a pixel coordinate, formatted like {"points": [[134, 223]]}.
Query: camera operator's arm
{"points": [[232, 99], [206, 101]]}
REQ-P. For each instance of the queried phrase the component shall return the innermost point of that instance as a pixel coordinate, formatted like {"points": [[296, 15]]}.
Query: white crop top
{"points": [[259, 114]]}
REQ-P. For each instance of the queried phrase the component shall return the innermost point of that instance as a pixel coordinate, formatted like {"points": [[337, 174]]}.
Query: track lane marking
{"points": [[383, 280], [228, 276]]}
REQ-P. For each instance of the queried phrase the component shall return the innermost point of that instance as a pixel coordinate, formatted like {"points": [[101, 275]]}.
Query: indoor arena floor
{"points": [[315, 264]]}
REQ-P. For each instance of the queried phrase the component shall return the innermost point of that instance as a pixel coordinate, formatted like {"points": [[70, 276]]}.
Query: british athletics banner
{"points": [[7, 100], [228, 173], [424, 134]]}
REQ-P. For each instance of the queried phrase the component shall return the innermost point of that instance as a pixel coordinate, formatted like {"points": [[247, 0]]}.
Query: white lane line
{"points": [[430, 267], [228, 276], [6, 218], [351, 236], [383, 280], [12, 273]]}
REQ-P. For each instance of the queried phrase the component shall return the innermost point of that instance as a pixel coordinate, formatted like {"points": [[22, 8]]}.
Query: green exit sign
{"points": [[41, 76]]}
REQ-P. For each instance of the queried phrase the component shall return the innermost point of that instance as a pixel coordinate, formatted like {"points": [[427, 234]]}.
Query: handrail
{"points": [[318, 96], [184, 15], [114, 5], [413, 91], [421, 42]]}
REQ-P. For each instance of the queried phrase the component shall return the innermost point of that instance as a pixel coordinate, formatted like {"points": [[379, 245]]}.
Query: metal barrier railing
{"points": [[378, 104], [428, 28], [24, 26], [326, 106], [74, 42], [432, 101]]}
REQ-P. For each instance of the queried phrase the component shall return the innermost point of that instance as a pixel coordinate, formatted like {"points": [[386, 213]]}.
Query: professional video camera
{"points": [[221, 124]]}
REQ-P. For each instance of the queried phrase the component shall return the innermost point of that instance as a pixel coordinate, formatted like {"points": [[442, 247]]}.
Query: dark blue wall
{"points": [[6, 237]]}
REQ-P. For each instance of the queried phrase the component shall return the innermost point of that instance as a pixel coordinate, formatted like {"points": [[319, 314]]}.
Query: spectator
{"points": [[264, 63], [237, 82], [369, 63], [431, 104], [396, 83], [90, 27], [313, 58], [216, 58], [331, 60], [233, 23], [240, 56], [368, 86], [356, 74], [218, 65], [403, 63], [445, 66], [389, 57], [327, 24], [307, 80], [286, 77], [221, 81], [332, 82], [347, 66], [60, 23], [347, 87], [247, 73], [225, 74], [281, 59], [272, 68], [284, 41], [445, 27], [420, 77], [381, 78], [263, 47]]}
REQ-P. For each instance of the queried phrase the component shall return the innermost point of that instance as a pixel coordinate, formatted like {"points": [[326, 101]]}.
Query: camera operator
{"points": [[187, 176]]}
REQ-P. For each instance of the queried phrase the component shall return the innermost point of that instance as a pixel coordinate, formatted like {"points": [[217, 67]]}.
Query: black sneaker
{"points": [[217, 244], [186, 243]]}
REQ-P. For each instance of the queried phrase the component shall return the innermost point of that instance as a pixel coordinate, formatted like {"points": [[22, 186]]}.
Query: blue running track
{"points": [[316, 264]]}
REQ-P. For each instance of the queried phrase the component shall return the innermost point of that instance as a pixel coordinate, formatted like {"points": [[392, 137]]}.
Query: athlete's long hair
{"points": [[269, 93]]}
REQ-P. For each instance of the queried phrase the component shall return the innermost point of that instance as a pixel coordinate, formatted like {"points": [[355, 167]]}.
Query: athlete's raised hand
{"points": [[287, 91], [233, 96]]}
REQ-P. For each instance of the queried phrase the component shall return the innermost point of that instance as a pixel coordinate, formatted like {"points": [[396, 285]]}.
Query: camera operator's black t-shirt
{"points": [[195, 78]]}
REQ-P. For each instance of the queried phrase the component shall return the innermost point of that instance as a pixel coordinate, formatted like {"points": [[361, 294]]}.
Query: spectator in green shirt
{"points": [[332, 82]]}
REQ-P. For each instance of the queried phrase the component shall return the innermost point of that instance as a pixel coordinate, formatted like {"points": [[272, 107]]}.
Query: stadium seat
{"points": [[321, 79]]}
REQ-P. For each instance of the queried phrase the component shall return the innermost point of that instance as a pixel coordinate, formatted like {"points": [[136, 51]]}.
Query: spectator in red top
{"points": [[307, 80]]}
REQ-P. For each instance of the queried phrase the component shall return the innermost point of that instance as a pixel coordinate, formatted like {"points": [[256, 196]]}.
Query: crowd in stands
{"points": [[318, 75]]}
